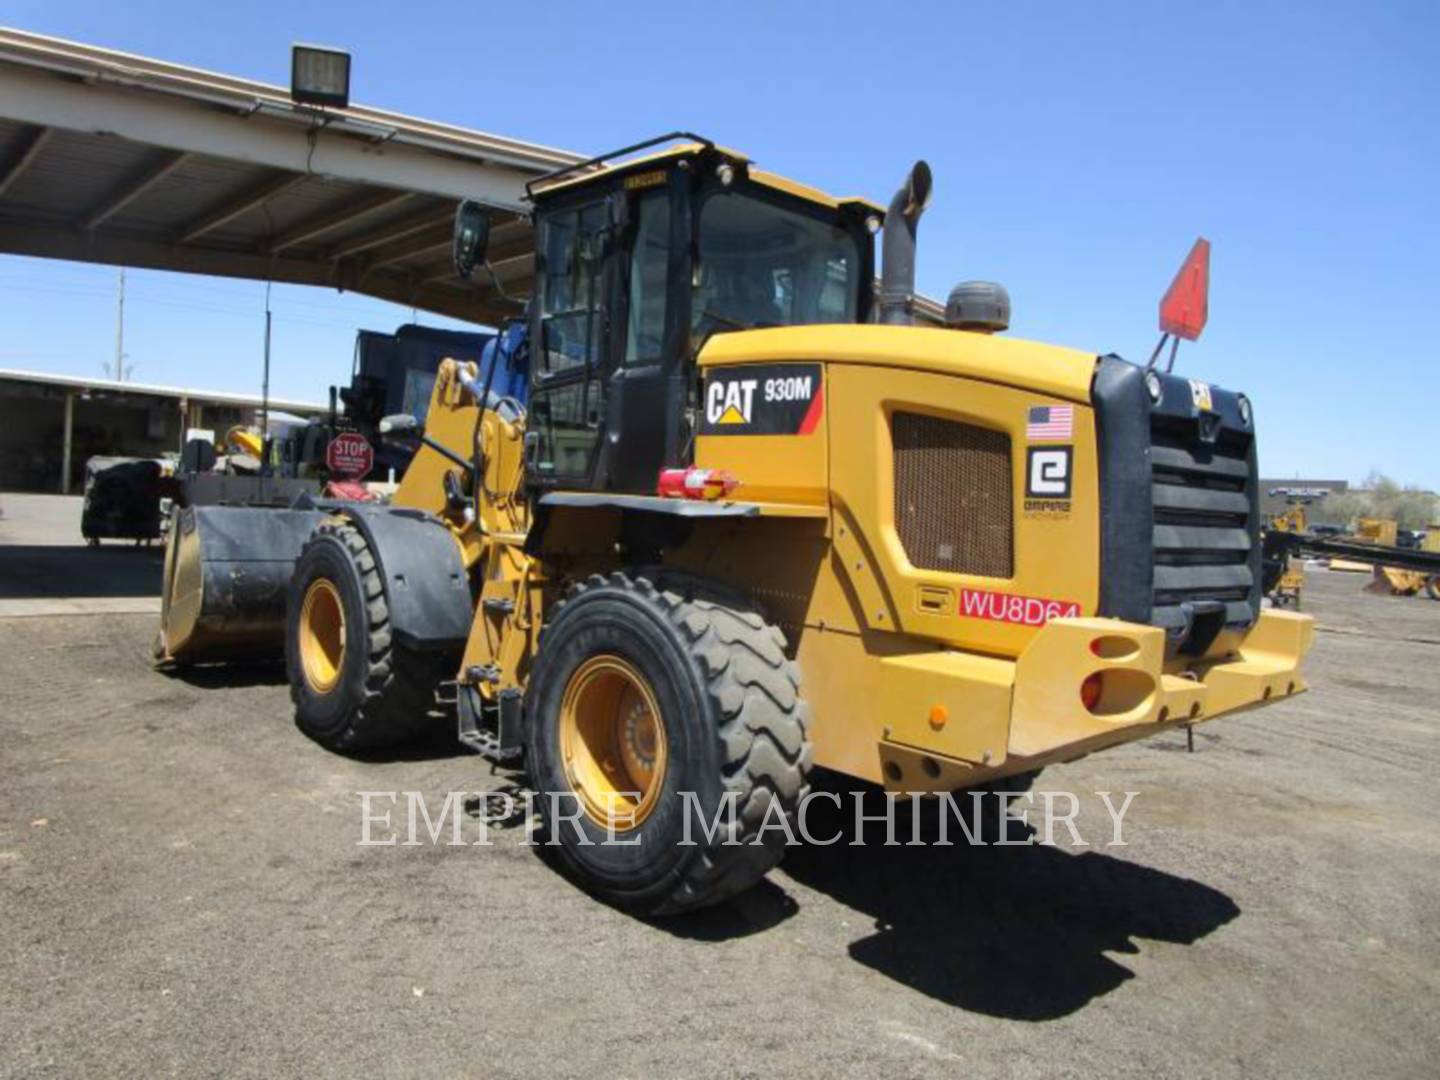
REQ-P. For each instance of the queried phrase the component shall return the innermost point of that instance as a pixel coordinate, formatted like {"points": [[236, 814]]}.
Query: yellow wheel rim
{"points": [[612, 742], [322, 635]]}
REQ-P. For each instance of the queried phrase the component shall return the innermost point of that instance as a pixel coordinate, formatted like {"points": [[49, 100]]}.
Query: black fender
{"points": [[426, 585], [650, 519]]}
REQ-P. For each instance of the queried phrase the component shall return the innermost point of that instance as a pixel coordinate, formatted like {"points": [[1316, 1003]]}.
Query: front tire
{"points": [[353, 687], [646, 687]]}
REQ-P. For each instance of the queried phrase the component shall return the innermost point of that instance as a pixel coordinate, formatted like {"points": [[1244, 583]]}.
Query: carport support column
{"points": [[65, 447]]}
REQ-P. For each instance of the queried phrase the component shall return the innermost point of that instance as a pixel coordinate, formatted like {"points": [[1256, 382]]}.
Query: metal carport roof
{"points": [[113, 158]]}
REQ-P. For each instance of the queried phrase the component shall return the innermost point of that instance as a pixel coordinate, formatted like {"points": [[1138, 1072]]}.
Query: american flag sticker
{"points": [[1050, 423]]}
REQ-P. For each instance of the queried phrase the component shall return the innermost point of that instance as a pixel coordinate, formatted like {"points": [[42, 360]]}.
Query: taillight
{"points": [[1090, 692], [694, 483]]}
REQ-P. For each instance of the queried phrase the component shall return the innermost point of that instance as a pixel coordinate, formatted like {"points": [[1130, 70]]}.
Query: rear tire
{"points": [[1432, 586], [731, 724], [353, 687]]}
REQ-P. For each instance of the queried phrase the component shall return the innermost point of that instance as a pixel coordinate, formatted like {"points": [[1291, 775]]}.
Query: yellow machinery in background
{"points": [[1372, 547], [1372, 532], [1286, 591], [1396, 580], [1431, 544], [1381, 531], [750, 520], [243, 440]]}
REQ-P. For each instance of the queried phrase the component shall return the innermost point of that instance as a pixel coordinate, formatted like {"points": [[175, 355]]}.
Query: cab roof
{"points": [[582, 175]]}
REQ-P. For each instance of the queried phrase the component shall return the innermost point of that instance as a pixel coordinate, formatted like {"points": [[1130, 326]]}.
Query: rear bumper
{"points": [[959, 719]]}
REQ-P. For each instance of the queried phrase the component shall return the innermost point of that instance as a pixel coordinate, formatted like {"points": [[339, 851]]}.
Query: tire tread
{"points": [[754, 690], [399, 685]]}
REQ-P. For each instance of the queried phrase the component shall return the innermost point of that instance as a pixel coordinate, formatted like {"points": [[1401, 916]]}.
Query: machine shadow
{"points": [[439, 743], [233, 675], [40, 571], [761, 907], [1018, 932]]}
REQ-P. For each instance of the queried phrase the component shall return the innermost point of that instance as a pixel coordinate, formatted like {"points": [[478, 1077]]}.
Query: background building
{"points": [[50, 424], [1276, 496]]}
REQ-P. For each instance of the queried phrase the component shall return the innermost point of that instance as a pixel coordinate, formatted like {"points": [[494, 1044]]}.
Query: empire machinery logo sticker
{"points": [[1048, 468], [763, 399], [1048, 472]]}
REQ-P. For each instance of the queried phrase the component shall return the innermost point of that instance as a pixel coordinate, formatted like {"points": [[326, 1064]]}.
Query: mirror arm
{"points": [[500, 289]]}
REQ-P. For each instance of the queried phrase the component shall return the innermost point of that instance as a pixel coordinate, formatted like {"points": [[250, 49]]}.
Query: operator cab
{"points": [[637, 264]]}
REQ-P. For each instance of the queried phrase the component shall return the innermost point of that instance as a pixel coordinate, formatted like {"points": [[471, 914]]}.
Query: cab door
{"points": [[570, 337], [644, 391]]}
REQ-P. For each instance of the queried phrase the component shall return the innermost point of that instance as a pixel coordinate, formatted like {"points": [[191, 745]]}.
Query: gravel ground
{"points": [[183, 894]]}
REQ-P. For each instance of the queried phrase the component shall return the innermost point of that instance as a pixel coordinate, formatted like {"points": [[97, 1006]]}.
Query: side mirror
{"points": [[472, 236]]}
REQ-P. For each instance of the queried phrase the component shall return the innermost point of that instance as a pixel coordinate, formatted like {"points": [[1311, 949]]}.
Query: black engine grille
{"points": [[1203, 499], [1180, 522]]}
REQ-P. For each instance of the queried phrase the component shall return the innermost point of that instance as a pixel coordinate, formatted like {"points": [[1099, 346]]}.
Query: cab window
{"points": [[764, 265], [649, 271], [571, 325]]}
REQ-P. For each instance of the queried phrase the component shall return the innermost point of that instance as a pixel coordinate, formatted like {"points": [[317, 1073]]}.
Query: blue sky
{"points": [[1078, 150]]}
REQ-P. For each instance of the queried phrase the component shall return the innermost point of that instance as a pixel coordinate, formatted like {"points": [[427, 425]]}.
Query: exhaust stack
{"points": [[897, 274]]}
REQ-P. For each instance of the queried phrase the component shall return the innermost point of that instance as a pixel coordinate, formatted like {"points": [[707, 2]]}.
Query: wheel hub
{"points": [[612, 742], [322, 636]]}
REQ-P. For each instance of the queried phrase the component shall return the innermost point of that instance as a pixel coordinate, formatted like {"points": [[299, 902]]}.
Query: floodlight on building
{"points": [[319, 76]]}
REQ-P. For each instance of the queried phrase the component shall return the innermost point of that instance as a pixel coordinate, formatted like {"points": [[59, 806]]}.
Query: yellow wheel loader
{"points": [[750, 520]]}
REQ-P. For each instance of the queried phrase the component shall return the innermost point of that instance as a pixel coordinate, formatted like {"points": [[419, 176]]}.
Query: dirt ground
{"points": [[182, 893]]}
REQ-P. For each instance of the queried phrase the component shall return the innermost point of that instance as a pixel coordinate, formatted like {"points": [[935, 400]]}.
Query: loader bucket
{"points": [[227, 571], [1392, 581]]}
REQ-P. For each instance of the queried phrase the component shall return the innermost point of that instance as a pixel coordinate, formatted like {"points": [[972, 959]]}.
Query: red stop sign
{"points": [[349, 454]]}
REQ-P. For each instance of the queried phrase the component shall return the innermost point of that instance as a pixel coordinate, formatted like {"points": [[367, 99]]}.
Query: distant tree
{"points": [[1417, 509], [1409, 506], [1340, 508]]}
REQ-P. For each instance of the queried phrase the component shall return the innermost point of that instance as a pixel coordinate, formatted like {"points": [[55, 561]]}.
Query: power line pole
{"points": [[265, 382], [120, 331]]}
